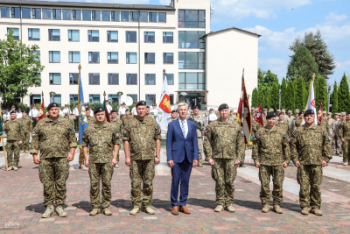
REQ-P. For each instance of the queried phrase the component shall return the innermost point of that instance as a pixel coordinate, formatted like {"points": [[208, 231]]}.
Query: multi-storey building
{"points": [[125, 48]]}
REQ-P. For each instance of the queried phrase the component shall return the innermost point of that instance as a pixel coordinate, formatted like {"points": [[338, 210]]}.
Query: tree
{"points": [[302, 64], [266, 79], [274, 101], [265, 98], [301, 94], [19, 69], [290, 97], [334, 98], [255, 98], [283, 93], [319, 51], [321, 93], [343, 95]]}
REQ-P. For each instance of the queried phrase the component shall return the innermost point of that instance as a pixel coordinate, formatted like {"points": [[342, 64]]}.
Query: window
{"points": [[150, 79], [94, 57], [37, 55], [94, 78], [96, 15], [67, 14], [113, 98], [191, 39], [15, 12], [55, 78], [131, 58], [150, 58], [87, 15], [131, 36], [112, 36], [55, 57], [131, 79], [191, 19], [152, 16], [74, 57], [115, 16], [168, 58], [112, 57], [73, 35], [113, 78], [15, 33], [93, 35], [47, 14], [94, 98], [56, 14], [162, 17], [26, 13], [168, 37], [171, 99], [191, 60], [125, 16], [73, 78], [35, 99], [73, 97], [36, 13], [5, 12], [170, 79], [54, 35], [134, 16], [150, 99], [133, 96], [56, 98], [76, 14], [191, 80], [106, 16], [143, 16], [33, 34], [149, 37]]}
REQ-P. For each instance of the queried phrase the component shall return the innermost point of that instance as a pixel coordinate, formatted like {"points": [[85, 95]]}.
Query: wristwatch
{"points": [[158, 156]]}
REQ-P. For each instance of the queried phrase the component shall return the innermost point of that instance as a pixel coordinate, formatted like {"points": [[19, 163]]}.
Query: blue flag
{"points": [[82, 112]]}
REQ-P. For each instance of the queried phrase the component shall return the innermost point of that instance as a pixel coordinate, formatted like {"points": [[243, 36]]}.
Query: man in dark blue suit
{"points": [[182, 152]]}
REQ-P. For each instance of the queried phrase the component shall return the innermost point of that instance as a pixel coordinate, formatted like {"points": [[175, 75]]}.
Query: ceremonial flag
{"points": [[258, 116], [82, 111], [104, 106], [319, 114], [164, 108], [243, 114], [311, 101], [41, 115]]}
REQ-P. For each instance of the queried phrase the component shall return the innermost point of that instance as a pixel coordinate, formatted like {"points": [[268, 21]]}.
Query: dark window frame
{"points": [[147, 58], [92, 38], [51, 56], [182, 23], [69, 56], [99, 58], [164, 58], [51, 37], [165, 36], [72, 79], [109, 58], [147, 37], [132, 77]]}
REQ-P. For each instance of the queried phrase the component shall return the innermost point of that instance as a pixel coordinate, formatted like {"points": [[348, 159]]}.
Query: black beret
{"points": [[98, 110], [281, 113], [112, 111], [87, 108], [301, 112], [12, 112], [148, 107], [127, 110], [54, 104], [270, 115], [348, 113], [309, 112], [196, 107], [173, 111], [223, 106], [140, 103]]}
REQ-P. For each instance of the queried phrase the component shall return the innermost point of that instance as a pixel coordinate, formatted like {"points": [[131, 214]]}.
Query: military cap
{"points": [[270, 114], [290, 111], [140, 103], [281, 113], [271, 110], [309, 112], [283, 110], [98, 110], [278, 110], [324, 112], [87, 108], [52, 105], [196, 107], [148, 107], [347, 113], [112, 111], [173, 111], [265, 109], [223, 106], [12, 112], [127, 110], [329, 113], [301, 112], [336, 113], [66, 113], [297, 111], [343, 113]]}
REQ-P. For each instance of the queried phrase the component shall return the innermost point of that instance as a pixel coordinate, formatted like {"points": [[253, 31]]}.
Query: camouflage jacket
{"points": [[119, 125], [91, 120], [285, 126], [255, 126], [271, 147], [53, 138], [234, 117], [290, 120], [27, 124], [102, 140], [126, 119], [224, 141], [264, 120], [311, 146], [14, 130], [331, 124], [324, 125], [142, 136], [297, 123], [199, 119], [344, 130]]}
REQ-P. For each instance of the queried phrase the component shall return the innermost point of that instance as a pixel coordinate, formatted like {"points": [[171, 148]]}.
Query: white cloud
{"points": [[336, 18], [165, 2], [275, 65]]}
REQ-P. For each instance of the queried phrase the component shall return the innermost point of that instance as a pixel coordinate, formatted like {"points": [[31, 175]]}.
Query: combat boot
{"points": [[277, 209], [231, 209], [135, 210], [48, 212], [266, 208], [94, 211], [341, 155], [60, 211], [345, 164], [107, 211], [149, 210], [116, 165], [219, 208], [305, 211], [9, 168], [15, 168], [200, 164], [316, 211]]}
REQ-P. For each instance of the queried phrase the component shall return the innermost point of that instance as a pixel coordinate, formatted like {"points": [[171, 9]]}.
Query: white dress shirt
{"points": [[92, 113], [186, 127], [19, 115], [109, 108], [121, 111], [134, 111], [66, 110], [6, 116], [212, 117], [33, 113], [76, 111], [61, 113], [155, 111]]}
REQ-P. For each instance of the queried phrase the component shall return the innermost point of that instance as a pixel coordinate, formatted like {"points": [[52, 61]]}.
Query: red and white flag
{"points": [[258, 116], [311, 101], [41, 115], [319, 114], [243, 114], [164, 107]]}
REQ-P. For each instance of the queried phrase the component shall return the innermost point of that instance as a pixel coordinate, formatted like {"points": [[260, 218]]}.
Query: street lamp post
{"points": [[279, 102]]}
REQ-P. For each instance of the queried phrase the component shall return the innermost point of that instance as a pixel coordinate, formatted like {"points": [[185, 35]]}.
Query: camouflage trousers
{"points": [[25, 145], [200, 148], [339, 147], [310, 178], [346, 150], [277, 173], [105, 171], [224, 173], [142, 171], [53, 173], [12, 147]]}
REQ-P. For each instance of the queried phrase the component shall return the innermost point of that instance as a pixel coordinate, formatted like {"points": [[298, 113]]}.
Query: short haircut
{"points": [[181, 104]]}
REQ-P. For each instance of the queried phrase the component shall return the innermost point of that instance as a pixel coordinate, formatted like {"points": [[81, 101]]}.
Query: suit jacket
{"points": [[178, 148]]}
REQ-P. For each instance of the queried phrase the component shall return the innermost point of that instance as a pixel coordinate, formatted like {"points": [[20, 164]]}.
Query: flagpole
{"points": [[81, 156]]}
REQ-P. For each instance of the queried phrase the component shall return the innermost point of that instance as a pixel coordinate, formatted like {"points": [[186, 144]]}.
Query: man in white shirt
{"points": [[212, 116], [76, 117], [109, 107], [66, 110], [189, 110], [122, 110], [33, 113], [134, 111], [19, 113], [154, 110], [61, 112]]}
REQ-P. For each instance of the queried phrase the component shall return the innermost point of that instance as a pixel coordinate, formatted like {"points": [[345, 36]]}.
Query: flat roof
{"points": [[233, 28], [87, 5]]}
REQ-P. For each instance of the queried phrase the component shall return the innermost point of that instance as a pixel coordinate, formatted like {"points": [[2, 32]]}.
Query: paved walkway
{"points": [[21, 203]]}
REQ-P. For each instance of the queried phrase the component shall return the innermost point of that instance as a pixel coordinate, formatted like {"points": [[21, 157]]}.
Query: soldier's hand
{"points": [[257, 165], [114, 162], [342, 140], [87, 162], [36, 159], [70, 157], [324, 163], [128, 162], [211, 162], [171, 163], [195, 163], [20, 142], [285, 165], [237, 162], [297, 164], [156, 160]]}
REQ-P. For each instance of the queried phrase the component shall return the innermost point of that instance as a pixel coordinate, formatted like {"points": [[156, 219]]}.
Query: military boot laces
{"points": [[277, 209], [135, 210], [107, 211], [316, 211], [149, 210], [60, 211], [305, 211], [231, 209], [48, 212], [266, 208], [94, 212], [219, 208]]}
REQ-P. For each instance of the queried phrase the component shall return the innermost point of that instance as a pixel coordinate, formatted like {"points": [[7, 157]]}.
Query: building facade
{"points": [[121, 48]]}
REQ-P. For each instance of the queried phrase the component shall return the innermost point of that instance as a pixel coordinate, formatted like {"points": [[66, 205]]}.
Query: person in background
{"points": [[66, 110], [19, 113], [76, 117], [212, 116], [133, 111], [33, 113], [121, 111], [6, 115], [109, 107]]}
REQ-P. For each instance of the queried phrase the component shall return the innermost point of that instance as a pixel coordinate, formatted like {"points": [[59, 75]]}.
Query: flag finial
{"points": [[104, 93], [243, 73], [79, 67], [164, 71], [313, 77]]}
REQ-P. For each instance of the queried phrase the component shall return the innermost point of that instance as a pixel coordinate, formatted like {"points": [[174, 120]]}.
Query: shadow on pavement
{"points": [[37, 208], [84, 205], [258, 206]]}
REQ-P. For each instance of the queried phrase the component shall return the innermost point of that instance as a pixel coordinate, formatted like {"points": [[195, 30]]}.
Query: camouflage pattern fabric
{"points": [[105, 170], [324, 124], [346, 146], [224, 173], [331, 124], [118, 124], [338, 141], [344, 132], [277, 173], [297, 123], [234, 117], [255, 127], [28, 128], [12, 147], [90, 120], [14, 130], [285, 126], [125, 120], [264, 120], [200, 120], [53, 173]]}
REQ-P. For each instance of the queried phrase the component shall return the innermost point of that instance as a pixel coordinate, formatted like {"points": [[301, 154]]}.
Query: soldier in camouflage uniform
{"points": [[271, 153], [264, 116], [66, 116], [331, 124], [338, 142], [173, 116], [53, 136], [126, 118], [290, 120], [142, 137], [281, 123], [103, 138], [15, 135], [298, 121], [200, 124], [310, 151], [28, 129], [233, 116], [90, 119], [224, 149], [119, 125], [324, 124], [344, 135]]}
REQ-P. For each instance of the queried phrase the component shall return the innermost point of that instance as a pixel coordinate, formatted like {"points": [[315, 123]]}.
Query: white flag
{"points": [[164, 108], [311, 104]]}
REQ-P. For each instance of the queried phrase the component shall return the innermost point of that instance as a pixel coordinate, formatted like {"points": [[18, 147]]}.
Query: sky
{"points": [[279, 22]]}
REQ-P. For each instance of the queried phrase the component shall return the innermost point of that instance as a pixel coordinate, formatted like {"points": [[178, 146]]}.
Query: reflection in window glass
{"points": [[46, 13], [33, 34], [76, 14], [149, 37], [191, 80], [96, 15], [87, 15], [94, 98], [162, 17], [168, 37], [94, 57], [56, 98], [191, 19], [191, 60], [131, 79], [74, 56], [56, 14], [15, 34], [5, 12], [131, 58], [115, 15], [191, 39], [134, 16], [26, 13], [112, 36], [73, 35], [55, 78], [152, 16], [94, 78], [150, 58], [67, 14], [73, 97], [150, 99], [36, 13], [143, 16], [150, 79], [168, 58], [125, 16], [54, 56], [106, 16], [54, 34], [93, 35], [112, 57], [73, 79], [131, 36], [170, 79], [113, 78], [15, 12]]}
